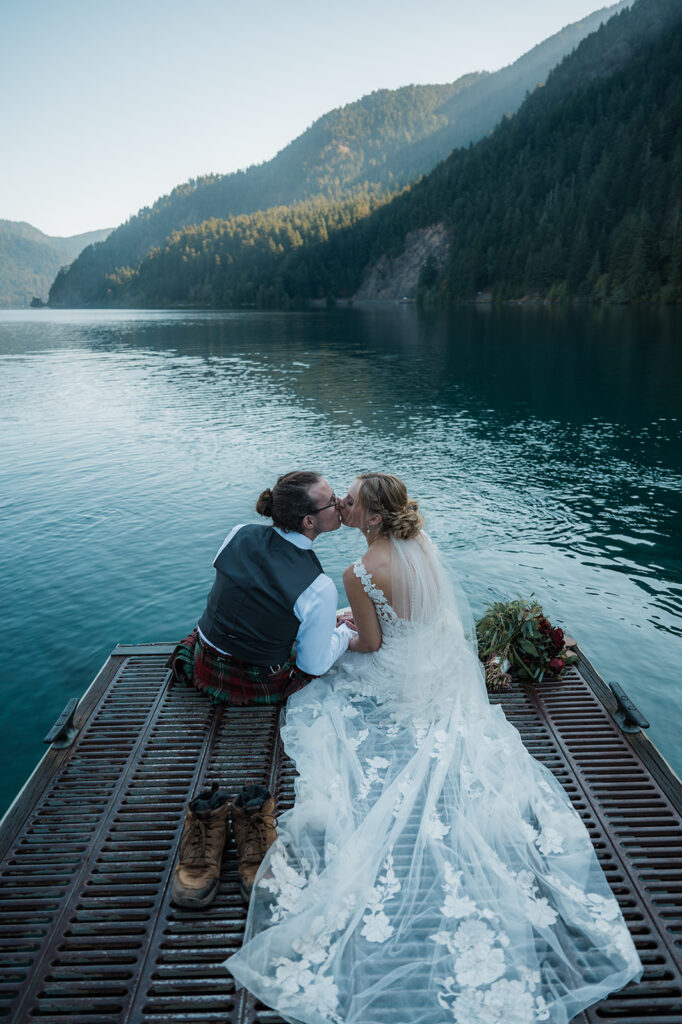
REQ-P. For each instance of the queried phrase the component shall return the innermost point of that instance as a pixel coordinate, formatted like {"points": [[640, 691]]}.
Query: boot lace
{"points": [[256, 842], [193, 844], [198, 835]]}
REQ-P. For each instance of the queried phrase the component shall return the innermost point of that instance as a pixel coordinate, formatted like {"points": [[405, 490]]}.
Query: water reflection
{"points": [[544, 447]]}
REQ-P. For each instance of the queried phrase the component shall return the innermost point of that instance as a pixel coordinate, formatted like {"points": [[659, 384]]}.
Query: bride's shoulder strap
{"points": [[361, 571], [364, 574], [368, 585]]}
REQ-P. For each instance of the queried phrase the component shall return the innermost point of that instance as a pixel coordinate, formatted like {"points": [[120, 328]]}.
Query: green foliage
{"points": [[429, 282], [515, 636], [266, 259], [579, 194]]}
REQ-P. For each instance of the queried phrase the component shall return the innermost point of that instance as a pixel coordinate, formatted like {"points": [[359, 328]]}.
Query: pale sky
{"points": [[108, 105]]}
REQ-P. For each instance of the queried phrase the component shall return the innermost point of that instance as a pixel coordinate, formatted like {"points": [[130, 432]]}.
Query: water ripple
{"points": [[133, 441]]}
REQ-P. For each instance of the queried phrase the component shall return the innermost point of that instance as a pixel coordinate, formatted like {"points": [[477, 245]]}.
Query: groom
{"points": [[269, 592]]}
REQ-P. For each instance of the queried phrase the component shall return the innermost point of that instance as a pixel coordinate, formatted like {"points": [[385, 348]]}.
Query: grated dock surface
{"points": [[87, 930]]}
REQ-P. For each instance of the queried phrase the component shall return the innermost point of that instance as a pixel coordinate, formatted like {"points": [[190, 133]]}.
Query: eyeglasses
{"points": [[334, 501]]}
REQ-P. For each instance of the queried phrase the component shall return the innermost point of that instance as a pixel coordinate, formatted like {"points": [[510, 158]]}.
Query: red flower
{"points": [[544, 625], [557, 637], [556, 666]]}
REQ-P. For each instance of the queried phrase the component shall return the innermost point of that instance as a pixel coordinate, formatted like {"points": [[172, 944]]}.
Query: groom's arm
{"points": [[319, 641]]}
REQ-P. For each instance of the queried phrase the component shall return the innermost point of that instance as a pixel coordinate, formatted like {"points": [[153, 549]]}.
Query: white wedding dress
{"points": [[431, 870]]}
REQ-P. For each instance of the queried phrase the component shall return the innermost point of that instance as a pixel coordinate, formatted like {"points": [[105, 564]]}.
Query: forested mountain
{"points": [[30, 259], [370, 148], [578, 194], [473, 114], [73, 245]]}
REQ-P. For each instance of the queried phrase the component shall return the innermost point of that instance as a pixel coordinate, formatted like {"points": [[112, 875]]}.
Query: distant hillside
{"points": [[472, 114], [73, 245], [372, 147], [30, 259], [577, 195]]}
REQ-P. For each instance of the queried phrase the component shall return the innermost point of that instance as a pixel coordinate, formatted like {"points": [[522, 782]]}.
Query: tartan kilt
{"points": [[227, 680]]}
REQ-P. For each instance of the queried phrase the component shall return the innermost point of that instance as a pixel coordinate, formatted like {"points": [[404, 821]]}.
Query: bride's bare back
{"points": [[377, 561]]}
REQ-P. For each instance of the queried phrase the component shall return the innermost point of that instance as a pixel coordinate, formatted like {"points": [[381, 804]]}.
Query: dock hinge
{"points": [[63, 732], [627, 715]]}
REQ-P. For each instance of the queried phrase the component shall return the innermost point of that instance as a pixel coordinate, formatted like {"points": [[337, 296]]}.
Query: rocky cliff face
{"points": [[393, 278]]}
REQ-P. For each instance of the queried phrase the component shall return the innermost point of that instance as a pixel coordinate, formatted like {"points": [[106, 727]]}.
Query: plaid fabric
{"points": [[227, 679]]}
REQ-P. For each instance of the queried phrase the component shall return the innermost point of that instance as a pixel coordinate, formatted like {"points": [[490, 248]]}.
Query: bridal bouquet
{"points": [[515, 637]]}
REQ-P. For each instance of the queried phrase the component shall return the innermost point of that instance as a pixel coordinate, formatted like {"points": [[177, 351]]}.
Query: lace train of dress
{"points": [[431, 870]]}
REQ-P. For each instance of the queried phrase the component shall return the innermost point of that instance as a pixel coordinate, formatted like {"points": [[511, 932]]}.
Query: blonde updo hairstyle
{"points": [[386, 495]]}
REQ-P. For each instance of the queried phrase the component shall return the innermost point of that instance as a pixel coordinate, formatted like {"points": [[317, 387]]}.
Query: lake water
{"points": [[544, 447]]}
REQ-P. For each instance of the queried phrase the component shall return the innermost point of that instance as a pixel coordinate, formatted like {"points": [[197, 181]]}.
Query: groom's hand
{"points": [[346, 617]]}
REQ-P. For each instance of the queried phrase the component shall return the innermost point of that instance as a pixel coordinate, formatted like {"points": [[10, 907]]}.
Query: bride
{"points": [[431, 870]]}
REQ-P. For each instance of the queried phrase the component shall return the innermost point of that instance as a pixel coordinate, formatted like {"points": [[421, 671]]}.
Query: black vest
{"points": [[250, 610]]}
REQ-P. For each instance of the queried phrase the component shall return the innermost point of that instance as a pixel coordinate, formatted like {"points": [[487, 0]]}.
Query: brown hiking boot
{"points": [[197, 872], [253, 824]]}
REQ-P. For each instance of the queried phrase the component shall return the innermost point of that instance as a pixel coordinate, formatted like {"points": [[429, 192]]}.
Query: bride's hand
{"points": [[346, 617]]}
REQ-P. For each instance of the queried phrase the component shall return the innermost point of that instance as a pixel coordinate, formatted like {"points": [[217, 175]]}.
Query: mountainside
{"points": [[578, 194], [30, 259], [372, 147], [73, 245], [473, 114]]}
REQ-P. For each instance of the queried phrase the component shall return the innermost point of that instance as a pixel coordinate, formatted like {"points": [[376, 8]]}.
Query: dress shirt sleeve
{"points": [[319, 641]]}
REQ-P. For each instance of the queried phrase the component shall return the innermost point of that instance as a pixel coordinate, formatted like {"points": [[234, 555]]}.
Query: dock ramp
{"points": [[88, 934]]}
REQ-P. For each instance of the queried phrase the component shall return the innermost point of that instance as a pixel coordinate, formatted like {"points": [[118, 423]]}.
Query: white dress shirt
{"points": [[319, 641]]}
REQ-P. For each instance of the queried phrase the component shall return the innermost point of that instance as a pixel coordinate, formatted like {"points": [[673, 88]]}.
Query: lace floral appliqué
{"points": [[303, 983], [285, 883], [479, 960], [377, 926], [376, 595], [371, 776]]}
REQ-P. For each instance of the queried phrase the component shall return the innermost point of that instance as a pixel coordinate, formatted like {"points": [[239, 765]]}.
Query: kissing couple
{"points": [[430, 870], [270, 623]]}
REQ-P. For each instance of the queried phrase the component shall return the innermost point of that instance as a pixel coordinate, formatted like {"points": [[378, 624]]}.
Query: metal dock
{"points": [[87, 930]]}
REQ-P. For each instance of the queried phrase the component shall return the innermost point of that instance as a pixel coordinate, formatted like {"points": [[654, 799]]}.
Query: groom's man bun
{"points": [[288, 501], [264, 503]]}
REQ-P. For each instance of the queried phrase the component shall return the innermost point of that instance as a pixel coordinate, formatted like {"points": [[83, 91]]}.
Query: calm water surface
{"points": [[544, 448]]}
